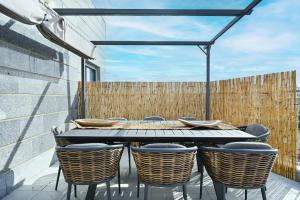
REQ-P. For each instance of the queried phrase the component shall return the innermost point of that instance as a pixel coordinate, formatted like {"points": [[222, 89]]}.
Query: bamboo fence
{"points": [[267, 99], [135, 100]]}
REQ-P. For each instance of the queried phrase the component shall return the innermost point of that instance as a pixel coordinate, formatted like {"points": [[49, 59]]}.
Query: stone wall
{"points": [[38, 88]]}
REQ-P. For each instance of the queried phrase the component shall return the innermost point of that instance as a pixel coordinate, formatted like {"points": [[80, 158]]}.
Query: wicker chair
{"points": [[163, 165], [120, 119], [60, 143], [260, 131], [154, 118], [127, 144], [89, 164], [188, 118], [243, 165]]}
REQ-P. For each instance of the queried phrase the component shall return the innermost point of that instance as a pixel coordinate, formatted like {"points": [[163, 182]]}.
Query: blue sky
{"points": [[264, 42]]}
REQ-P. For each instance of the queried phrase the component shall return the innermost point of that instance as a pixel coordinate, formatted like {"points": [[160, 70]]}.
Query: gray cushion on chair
{"points": [[256, 129], [87, 145], [163, 145], [246, 145]]}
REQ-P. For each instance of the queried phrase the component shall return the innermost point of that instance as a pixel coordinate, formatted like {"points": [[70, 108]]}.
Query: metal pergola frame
{"points": [[205, 46]]}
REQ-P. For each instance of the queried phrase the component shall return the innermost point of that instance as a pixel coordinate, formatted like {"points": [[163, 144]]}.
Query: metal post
{"points": [[207, 99], [83, 80]]}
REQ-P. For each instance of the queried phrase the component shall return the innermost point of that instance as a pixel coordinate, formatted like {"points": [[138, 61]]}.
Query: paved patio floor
{"points": [[42, 188]]}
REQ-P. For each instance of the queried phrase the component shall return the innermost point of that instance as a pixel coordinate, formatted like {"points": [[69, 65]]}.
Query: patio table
{"points": [[164, 131], [152, 135]]}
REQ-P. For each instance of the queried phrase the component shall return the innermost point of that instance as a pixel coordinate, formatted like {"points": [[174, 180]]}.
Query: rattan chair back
{"points": [[59, 141], [260, 131], [91, 165], [239, 168], [188, 118], [164, 166], [154, 118], [118, 119]]}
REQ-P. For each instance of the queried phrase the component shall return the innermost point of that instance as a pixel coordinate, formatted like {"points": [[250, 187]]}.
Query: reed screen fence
{"points": [[267, 99]]}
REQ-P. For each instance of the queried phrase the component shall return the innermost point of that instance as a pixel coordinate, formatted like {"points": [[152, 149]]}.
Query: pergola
{"points": [[205, 46]]}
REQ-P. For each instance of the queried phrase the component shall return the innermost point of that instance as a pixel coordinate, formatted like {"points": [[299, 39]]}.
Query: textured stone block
{"points": [[15, 106], [55, 119], [9, 132], [8, 85], [42, 143]]}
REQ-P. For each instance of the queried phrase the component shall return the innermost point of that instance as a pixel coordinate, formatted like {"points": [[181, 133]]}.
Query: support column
{"points": [[207, 96], [83, 94]]}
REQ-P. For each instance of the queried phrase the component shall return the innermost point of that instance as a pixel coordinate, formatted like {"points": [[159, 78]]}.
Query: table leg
{"points": [[199, 161]]}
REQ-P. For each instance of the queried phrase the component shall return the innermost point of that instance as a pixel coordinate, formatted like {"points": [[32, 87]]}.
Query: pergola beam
{"points": [[151, 12], [176, 43], [235, 20]]}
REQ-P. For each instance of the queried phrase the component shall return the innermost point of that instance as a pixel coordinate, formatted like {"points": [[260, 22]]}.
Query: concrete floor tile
{"points": [[21, 194]]}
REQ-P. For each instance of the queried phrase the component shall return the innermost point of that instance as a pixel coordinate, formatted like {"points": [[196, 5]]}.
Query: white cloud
{"points": [[257, 42], [176, 28], [266, 30], [143, 51], [138, 25]]}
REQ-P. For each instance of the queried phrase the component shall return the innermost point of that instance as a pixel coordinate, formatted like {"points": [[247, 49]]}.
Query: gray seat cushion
{"points": [[256, 129], [163, 145], [246, 145], [87, 145]]}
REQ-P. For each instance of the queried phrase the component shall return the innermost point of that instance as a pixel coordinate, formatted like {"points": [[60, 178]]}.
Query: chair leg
{"points": [[69, 191], [129, 159], [108, 190], [201, 182], [57, 178], [138, 187], [146, 192], [75, 191], [184, 192], [119, 180], [90, 195], [246, 196], [220, 190], [263, 193]]}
